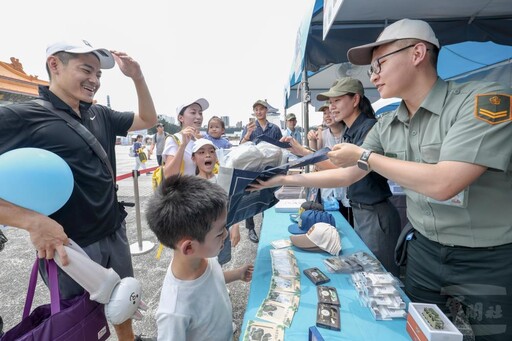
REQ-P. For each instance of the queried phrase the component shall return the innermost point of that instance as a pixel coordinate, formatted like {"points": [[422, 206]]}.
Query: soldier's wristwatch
{"points": [[363, 160]]}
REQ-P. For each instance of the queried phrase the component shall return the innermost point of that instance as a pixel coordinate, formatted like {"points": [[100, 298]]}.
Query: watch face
{"points": [[362, 165], [363, 160]]}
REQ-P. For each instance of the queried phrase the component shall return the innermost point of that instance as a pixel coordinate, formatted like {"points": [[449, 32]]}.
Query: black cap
{"points": [[311, 205]]}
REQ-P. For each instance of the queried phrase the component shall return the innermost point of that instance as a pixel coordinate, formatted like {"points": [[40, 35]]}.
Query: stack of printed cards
{"points": [[281, 243], [377, 291], [359, 261], [282, 300], [259, 331]]}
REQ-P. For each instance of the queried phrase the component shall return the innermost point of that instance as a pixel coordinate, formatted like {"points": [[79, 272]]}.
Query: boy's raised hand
{"points": [[243, 274]]}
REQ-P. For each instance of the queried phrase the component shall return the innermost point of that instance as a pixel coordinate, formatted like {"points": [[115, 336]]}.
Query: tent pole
{"points": [[306, 98]]}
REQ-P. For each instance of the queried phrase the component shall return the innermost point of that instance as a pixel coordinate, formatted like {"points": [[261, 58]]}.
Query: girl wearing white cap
{"points": [[178, 151], [205, 157]]}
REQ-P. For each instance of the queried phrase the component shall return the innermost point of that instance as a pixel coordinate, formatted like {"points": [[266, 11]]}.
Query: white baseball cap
{"points": [[203, 103], [201, 143], [81, 47], [402, 29], [320, 237]]}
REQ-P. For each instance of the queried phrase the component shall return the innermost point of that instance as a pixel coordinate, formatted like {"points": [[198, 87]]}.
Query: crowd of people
{"points": [[451, 157]]}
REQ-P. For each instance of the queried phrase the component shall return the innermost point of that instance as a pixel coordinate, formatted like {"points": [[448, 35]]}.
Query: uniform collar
{"points": [[433, 103], [435, 99]]}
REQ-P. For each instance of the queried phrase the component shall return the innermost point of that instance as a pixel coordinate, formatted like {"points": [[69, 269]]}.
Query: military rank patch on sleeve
{"points": [[493, 108]]}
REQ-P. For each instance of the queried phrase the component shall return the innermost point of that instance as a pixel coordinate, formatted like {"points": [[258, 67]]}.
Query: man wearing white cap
{"points": [[92, 216], [449, 146]]}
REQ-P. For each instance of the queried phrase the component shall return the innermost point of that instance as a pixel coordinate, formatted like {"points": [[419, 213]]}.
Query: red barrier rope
{"points": [[130, 175]]}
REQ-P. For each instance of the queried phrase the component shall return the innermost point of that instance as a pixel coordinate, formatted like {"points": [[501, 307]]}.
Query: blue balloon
{"points": [[36, 179]]}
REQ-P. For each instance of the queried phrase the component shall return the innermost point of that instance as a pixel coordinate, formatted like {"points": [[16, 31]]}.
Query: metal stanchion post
{"points": [[141, 246], [306, 99]]}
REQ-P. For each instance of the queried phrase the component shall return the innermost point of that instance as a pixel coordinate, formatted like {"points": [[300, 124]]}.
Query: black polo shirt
{"points": [[373, 188], [92, 212]]}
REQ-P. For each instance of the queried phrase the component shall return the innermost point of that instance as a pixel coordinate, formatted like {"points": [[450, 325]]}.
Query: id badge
{"points": [[459, 200]]}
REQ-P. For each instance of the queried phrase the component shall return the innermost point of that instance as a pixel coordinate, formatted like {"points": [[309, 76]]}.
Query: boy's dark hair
{"points": [[217, 118], [184, 206]]}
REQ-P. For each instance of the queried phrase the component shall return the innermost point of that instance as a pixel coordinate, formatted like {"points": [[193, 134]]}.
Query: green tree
{"points": [[168, 127]]}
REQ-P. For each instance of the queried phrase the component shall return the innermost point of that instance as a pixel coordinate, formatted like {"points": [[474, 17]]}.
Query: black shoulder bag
{"points": [[85, 134]]}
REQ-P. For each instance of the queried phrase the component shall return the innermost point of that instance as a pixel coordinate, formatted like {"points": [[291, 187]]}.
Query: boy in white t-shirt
{"points": [[205, 157], [188, 214]]}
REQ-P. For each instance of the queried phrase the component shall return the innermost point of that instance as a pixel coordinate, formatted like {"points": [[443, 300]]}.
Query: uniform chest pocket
{"points": [[399, 155], [430, 153]]}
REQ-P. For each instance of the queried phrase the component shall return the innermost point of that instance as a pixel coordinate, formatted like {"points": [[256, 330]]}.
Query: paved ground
{"points": [[18, 256]]}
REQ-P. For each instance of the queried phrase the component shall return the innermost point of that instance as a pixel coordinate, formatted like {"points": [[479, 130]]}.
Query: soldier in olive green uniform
{"points": [[449, 146]]}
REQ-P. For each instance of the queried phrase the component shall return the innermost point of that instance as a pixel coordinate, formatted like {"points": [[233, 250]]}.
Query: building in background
{"points": [[225, 119], [15, 85]]}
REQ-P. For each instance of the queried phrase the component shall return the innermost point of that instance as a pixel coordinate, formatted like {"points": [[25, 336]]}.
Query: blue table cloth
{"points": [[357, 322]]}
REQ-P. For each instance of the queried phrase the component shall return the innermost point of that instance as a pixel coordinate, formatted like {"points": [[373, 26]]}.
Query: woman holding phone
{"points": [[255, 128], [259, 125]]}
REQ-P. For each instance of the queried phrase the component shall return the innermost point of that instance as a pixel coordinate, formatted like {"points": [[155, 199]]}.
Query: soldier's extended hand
{"points": [[345, 154]]}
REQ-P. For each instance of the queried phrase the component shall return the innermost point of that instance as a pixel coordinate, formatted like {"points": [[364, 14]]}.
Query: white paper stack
{"points": [[289, 205]]}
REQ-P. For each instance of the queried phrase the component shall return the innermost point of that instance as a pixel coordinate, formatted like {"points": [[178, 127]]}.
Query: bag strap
{"points": [[178, 142], [53, 281], [53, 284], [84, 133], [31, 289]]}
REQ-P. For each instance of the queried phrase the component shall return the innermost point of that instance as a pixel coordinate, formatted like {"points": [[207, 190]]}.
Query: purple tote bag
{"points": [[76, 319]]}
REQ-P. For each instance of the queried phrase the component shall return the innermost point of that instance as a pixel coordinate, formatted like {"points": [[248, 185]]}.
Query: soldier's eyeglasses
{"points": [[375, 66]]}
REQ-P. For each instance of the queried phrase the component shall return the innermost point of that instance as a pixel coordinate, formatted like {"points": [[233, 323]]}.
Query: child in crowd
{"points": [[203, 154], [188, 214], [138, 148], [216, 129]]}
